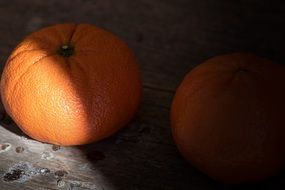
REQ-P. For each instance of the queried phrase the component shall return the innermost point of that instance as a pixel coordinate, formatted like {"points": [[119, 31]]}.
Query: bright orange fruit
{"points": [[71, 84], [228, 118]]}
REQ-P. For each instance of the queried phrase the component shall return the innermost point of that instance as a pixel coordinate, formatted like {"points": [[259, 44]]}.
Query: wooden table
{"points": [[170, 38]]}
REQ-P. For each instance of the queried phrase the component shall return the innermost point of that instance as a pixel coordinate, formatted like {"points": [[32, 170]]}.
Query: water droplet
{"points": [[75, 183], [55, 147], [24, 138], [60, 183], [44, 171], [47, 155], [19, 149], [60, 173], [13, 175], [5, 147], [20, 172]]}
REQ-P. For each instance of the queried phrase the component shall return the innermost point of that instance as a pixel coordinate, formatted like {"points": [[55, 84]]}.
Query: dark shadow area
{"points": [[275, 182], [9, 124], [219, 27], [172, 37], [213, 27]]}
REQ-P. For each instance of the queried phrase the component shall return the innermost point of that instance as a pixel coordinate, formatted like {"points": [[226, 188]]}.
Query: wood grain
{"points": [[170, 38]]}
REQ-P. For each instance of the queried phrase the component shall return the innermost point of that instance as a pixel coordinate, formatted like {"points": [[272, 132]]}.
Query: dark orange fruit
{"points": [[228, 118], [71, 84]]}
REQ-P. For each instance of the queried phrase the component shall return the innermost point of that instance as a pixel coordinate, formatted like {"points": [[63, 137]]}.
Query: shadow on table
{"points": [[7, 122], [254, 27], [276, 182], [134, 158]]}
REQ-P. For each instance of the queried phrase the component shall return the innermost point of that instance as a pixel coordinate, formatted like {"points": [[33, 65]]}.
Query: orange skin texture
{"points": [[227, 118], [71, 100]]}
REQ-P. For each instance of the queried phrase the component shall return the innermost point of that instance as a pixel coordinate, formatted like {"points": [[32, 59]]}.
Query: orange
{"points": [[228, 118], [71, 84]]}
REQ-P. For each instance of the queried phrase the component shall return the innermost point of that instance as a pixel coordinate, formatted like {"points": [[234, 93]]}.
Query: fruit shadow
{"points": [[256, 35], [136, 158], [7, 122], [138, 161], [143, 155], [275, 182]]}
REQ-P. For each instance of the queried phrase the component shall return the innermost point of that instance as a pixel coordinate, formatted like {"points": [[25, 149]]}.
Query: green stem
{"points": [[66, 50]]}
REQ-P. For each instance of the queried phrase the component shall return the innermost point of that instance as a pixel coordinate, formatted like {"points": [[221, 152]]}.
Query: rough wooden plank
{"points": [[142, 156], [169, 38]]}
